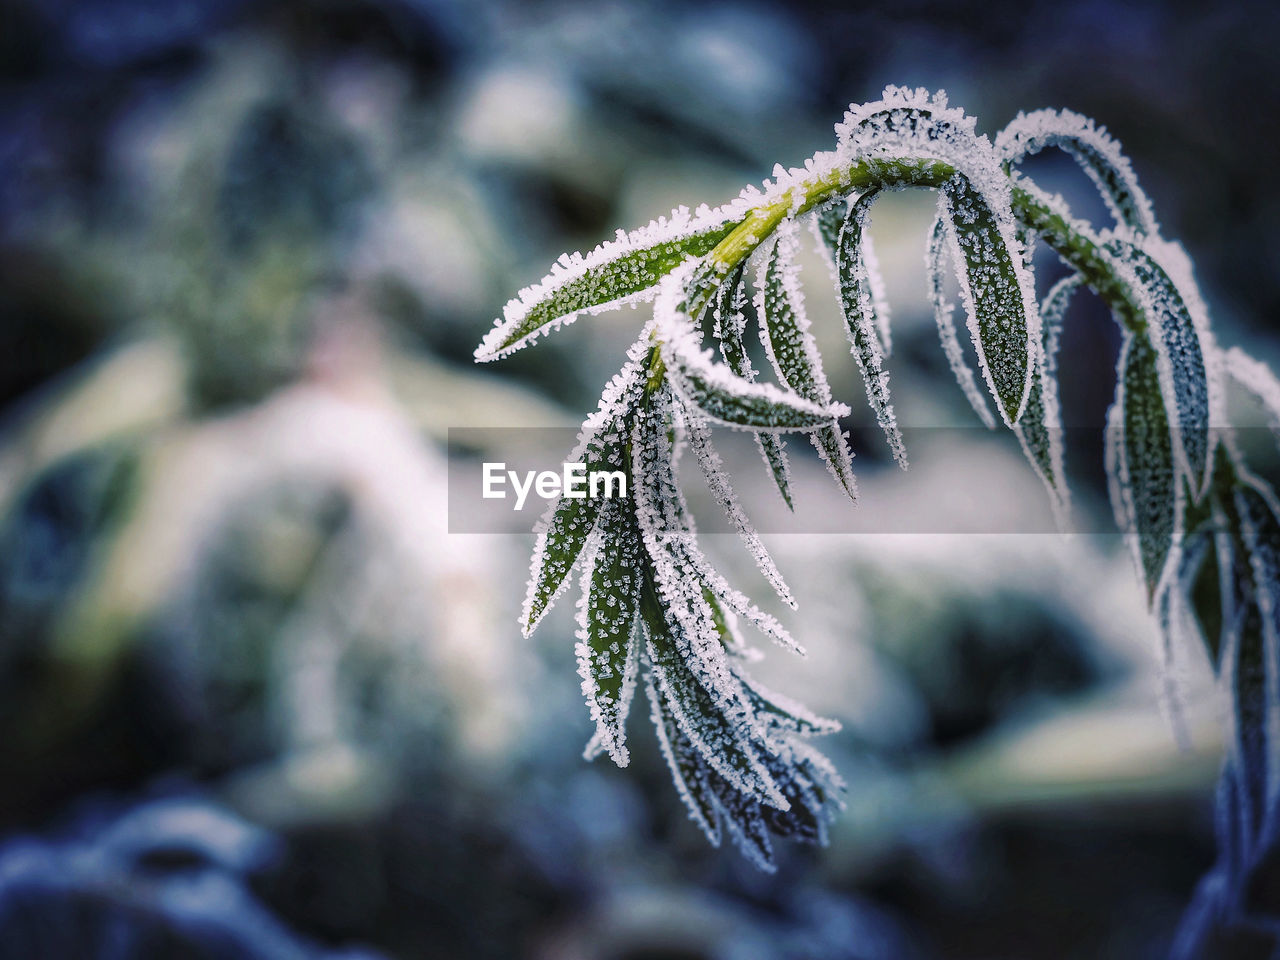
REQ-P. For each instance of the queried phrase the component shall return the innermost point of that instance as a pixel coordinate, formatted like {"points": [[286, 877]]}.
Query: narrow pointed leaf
{"points": [[618, 272], [699, 439], [730, 328], [1140, 462], [1039, 432], [688, 771], [944, 315], [1183, 375], [993, 285], [716, 392], [607, 651], [785, 334], [565, 528], [858, 305]]}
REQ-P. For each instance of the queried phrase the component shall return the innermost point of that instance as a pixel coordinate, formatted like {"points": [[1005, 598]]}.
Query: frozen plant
{"points": [[1205, 532]]}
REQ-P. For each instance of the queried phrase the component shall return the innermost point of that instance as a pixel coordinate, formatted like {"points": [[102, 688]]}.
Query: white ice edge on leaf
{"points": [[756, 782], [1030, 307], [1052, 313], [1120, 490], [610, 718], [948, 134]]}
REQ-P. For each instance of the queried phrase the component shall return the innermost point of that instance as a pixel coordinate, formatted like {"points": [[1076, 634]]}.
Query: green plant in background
{"points": [[1205, 532]]}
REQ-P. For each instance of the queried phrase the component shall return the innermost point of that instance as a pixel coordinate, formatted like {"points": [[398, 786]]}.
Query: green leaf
{"points": [[1040, 430], [724, 398], [992, 285], [688, 771], [564, 531], [729, 330], [857, 303], [1181, 358], [613, 274], [608, 653], [1091, 147], [1141, 461], [717, 739], [784, 331]]}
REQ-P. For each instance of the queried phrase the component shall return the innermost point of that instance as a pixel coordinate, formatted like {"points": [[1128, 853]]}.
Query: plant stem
{"points": [[1071, 240]]}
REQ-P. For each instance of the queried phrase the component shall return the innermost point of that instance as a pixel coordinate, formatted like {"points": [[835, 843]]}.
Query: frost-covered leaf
{"points": [[862, 310], [1206, 567], [783, 713], [1183, 375], [695, 564], [714, 390], [721, 740], [1140, 462], [621, 271], [688, 772], [568, 523], [743, 816], [608, 653], [1256, 681], [1040, 430], [789, 344], [729, 328], [944, 313], [1003, 319], [1098, 154], [698, 436]]}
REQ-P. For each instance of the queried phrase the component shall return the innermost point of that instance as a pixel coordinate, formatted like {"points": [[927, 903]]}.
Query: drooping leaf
{"points": [[568, 523], [1183, 376], [698, 436], [1098, 154], [858, 304], [716, 392], [994, 287], [1039, 432], [730, 328], [720, 741], [789, 344], [608, 652], [688, 771], [1140, 462], [944, 315]]}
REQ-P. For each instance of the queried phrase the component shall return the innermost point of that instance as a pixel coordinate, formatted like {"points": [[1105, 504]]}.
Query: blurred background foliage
{"points": [[258, 702]]}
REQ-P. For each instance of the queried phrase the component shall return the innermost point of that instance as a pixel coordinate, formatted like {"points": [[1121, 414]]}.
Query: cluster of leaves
{"points": [[1205, 533]]}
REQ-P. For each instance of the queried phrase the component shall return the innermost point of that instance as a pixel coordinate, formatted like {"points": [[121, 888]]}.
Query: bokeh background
{"points": [[257, 701]]}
